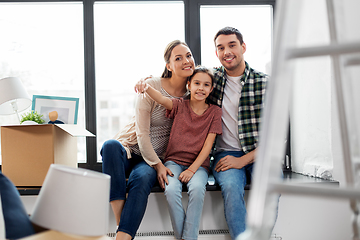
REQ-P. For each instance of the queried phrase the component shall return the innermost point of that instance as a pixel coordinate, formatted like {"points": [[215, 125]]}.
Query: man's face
{"points": [[230, 52]]}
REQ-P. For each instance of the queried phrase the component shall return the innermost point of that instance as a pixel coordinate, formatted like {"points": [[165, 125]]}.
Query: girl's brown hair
{"points": [[203, 70]]}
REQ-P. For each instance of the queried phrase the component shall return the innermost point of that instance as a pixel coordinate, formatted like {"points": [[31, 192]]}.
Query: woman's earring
{"points": [[187, 87]]}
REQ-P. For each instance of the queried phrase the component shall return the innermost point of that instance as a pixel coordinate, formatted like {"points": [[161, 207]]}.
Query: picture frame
{"points": [[66, 107]]}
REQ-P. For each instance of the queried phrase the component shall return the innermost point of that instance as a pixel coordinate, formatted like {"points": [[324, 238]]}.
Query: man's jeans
{"points": [[232, 183]]}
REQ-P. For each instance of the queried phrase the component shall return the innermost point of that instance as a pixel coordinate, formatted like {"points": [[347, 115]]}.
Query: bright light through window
{"points": [[130, 39], [42, 45], [255, 24]]}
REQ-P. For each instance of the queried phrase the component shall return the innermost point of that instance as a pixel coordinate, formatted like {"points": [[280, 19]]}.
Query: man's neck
{"points": [[237, 71]]}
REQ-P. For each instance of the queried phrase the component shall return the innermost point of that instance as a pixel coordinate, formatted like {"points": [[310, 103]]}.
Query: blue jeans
{"points": [[141, 178], [185, 224], [17, 222], [232, 183]]}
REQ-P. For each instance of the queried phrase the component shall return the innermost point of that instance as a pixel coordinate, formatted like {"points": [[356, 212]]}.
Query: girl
{"points": [[195, 126]]}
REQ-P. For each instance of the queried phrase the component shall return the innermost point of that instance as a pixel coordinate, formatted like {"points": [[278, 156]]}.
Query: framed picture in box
{"points": [[66, 107]]}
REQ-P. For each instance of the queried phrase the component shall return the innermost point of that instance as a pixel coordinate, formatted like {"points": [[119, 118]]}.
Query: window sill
{"points": [[212, 186]]}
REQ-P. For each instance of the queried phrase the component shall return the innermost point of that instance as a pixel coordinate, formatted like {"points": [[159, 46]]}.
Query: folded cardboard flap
{"points": [[75, 130]]}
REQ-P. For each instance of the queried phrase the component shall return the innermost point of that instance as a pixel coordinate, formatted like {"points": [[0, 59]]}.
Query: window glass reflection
{"points": [[254, 22], [42, 45], [130, 39]]}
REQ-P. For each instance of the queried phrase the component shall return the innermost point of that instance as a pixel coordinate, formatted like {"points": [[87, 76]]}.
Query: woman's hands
{"points": [[162, 173]]}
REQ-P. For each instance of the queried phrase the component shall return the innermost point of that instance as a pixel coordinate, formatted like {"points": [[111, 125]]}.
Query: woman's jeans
{"points": [[185, 224], [141, 178], [232, 183]]}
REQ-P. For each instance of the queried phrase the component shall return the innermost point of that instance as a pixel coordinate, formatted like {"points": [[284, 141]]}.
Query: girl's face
{"points": [[200, 86], [181, 61]]}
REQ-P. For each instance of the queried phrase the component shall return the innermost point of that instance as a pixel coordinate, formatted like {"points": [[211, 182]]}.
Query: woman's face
{"points": [[181, 61]]}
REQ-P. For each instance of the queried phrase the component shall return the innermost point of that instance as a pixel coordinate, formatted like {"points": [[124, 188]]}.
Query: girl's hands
{"points": [[141, 86], [185, 176]]}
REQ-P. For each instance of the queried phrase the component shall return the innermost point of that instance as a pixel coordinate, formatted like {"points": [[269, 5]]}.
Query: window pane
{"points": [[42, 45], [255, 24], [130, 39]]}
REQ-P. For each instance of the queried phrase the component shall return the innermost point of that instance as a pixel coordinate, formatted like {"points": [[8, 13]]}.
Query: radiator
{"points": [[203, 234], [169, 235]]}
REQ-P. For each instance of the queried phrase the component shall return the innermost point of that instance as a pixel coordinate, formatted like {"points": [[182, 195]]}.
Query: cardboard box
{"points": [[28, 150], [55, 235]]}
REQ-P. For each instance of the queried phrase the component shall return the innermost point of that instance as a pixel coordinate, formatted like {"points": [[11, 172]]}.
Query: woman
{"points": [[140, 146]]}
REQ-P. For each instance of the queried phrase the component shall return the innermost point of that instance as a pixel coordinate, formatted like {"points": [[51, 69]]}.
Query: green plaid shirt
{"points": [[251, 103]]}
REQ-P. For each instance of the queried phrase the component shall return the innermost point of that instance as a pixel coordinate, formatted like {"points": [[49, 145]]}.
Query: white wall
{"points": [[157, 217], [311, 120], [314, 117]]}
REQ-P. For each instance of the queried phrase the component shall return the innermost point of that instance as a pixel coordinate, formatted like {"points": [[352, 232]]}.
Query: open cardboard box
{"points": [[28, 150]]}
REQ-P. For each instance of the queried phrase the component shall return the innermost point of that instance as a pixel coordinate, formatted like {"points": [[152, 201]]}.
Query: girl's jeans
{"points": [[185, 223]]}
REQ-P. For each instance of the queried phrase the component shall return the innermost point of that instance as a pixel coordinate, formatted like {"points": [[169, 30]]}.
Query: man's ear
{"points": [[243, 47], [216, 54]]}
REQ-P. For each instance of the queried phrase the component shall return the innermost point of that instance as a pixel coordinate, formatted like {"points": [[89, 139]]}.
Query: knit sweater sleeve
{"points": [[143, 110]]}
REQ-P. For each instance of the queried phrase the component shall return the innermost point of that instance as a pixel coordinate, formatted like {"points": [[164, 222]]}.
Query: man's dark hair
{"points": [[229, 31]]}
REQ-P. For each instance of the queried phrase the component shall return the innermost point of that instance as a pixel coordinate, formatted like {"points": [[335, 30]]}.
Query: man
{"points": [[240, 91]]}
